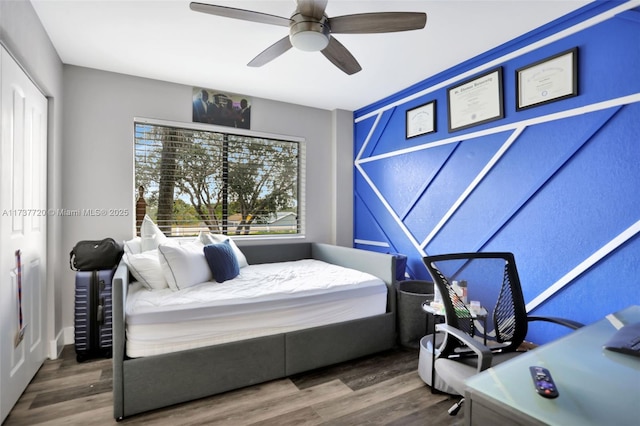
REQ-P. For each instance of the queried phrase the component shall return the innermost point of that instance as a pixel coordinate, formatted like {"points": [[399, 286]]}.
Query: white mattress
{"points": [[263, 300]]}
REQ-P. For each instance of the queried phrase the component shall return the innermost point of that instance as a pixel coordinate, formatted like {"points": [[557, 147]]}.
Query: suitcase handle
{"points": [[100, 312]]}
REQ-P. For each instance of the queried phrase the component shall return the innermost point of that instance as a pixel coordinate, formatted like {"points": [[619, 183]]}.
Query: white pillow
{"points": [[150, 234], [184, 265], [207, 238], [133, 246], [145, 268]]}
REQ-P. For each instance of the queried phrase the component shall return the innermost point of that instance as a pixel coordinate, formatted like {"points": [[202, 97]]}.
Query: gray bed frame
{"points": [[148, 383]]}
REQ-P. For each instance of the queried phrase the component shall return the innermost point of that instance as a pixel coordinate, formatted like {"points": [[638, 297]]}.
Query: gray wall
{"points": [[24, 37], [99, 109], [342, 178]]}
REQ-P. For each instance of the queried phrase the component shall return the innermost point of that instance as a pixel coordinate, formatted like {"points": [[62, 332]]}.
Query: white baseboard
{"points": [[69, 335], [56, 345]]}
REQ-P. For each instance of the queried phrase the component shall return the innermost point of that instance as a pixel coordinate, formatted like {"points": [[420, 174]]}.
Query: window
{"points": [[240, 183]]}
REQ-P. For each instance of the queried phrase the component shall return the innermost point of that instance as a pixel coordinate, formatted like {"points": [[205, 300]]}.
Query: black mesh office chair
{"points": [[472, 342]]}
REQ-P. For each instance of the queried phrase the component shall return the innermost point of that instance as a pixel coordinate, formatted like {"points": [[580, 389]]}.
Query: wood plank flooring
{"points": [[382, 389]]}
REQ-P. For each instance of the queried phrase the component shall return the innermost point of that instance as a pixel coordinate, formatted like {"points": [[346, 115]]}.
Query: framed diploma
{"points": [[421, 120], [548, 80], [476, 101]]}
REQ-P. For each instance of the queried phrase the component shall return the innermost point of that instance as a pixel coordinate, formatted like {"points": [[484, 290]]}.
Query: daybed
{"points": [[150, 382]]}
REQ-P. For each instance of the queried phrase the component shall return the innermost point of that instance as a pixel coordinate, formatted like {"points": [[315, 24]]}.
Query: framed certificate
{"points": [[421, 120], [548, 80], [476, 101]]}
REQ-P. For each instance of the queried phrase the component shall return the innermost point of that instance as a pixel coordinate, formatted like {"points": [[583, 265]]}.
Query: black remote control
{"points": [[543, 382]]}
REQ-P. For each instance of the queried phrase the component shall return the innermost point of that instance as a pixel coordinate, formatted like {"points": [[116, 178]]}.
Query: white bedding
{"points": [[264, 299]]}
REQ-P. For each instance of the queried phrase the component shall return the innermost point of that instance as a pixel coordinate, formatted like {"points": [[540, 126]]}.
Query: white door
{"points": [[23, 171]]}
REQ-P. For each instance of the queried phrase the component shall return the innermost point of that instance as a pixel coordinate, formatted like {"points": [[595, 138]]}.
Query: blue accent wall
{"points": [[557, 184]]}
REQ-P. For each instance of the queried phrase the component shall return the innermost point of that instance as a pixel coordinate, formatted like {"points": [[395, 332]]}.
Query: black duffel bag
{"points": [[94, 255]]}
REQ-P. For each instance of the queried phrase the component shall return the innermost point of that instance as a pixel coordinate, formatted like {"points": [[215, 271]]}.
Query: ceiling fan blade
{"points": [[314, 8], [271, 52], [379, 22], [341, 57], [245, 15]]}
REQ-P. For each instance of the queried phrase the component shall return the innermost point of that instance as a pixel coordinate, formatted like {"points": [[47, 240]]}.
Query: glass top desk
{"points": [[596, 386]]}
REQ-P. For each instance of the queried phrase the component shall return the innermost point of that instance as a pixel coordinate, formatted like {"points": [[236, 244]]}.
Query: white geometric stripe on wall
{"points": [[570, 276]]}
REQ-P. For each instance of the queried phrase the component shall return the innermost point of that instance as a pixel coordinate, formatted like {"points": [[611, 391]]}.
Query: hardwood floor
{"points": [[383, 389]]}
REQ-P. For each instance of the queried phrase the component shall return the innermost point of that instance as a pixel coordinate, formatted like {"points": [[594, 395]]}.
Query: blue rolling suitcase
{"points": [[93, 314]]}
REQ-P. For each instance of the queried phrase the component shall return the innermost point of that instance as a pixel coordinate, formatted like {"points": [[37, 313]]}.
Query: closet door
{"points": [[23, 171]]}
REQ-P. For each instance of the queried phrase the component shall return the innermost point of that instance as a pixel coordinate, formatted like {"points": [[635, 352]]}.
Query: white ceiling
{"points": [[165, 40]]}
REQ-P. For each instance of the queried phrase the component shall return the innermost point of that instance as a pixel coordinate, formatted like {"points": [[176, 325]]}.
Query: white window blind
{"points": [[195, 179]]}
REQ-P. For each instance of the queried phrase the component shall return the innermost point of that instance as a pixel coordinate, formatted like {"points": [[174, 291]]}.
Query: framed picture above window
{"points": [[421, 120], [547, 80], [222, 109], [476, 101]]}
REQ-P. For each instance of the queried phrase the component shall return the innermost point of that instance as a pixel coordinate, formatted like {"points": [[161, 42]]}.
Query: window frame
{"points": [[242, 133]]}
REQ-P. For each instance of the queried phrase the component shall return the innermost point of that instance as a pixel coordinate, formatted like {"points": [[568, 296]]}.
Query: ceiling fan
{"points": [[310, 29]]}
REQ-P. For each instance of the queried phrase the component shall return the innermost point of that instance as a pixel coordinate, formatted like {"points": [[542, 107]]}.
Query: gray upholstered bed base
{"points": [[143, 384]]}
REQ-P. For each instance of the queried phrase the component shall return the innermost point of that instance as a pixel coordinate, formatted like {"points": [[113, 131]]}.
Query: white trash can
{"points": [[425, 361]]}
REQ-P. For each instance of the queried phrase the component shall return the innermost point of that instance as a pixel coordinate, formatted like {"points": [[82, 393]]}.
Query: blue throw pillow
{"points": [[222, 261]]}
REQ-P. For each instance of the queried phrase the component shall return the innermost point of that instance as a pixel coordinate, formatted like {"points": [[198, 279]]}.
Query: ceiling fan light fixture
{"points": [[309, 34], [309, 41]]}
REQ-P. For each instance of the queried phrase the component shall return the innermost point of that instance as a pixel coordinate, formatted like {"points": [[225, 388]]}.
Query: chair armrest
{"points": [[484, 353], [574, 325]]}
